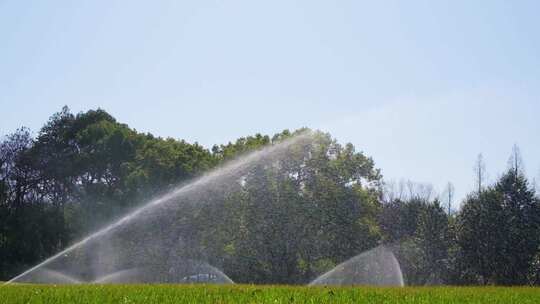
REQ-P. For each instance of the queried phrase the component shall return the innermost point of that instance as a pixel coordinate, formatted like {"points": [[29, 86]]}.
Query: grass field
{"points": [[260, 294]]}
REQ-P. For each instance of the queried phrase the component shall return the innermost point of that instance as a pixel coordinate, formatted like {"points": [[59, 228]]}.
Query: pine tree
{"points": [[522, 223]]}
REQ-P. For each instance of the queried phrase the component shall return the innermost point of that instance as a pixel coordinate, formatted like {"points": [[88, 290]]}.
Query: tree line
{"points": [[282, 223]]}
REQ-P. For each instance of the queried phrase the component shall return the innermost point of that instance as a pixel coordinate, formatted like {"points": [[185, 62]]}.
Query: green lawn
{"points": [[261, 294]]}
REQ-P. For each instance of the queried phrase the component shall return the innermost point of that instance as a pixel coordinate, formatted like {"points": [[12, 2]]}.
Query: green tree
{"points": [[522, 226], [293, 216], [78, 173], [29, 229], [498, 229], [432, 238]]}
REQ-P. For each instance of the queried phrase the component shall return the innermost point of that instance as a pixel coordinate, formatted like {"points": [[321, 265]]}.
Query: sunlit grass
{"points": [[261, 294]]}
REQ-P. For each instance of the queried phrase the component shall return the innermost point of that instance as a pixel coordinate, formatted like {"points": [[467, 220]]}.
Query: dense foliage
{"points": [[284, 223], [80, 171]]}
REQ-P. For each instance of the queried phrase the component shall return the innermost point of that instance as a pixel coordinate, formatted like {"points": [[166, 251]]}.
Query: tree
{"points": [[498, 228], [515, 162], [449, 196], [480, 172], [433, 241], [522, 221], [481, 235], [418, 230], [29, 229], [295, 216], [78, 173]]}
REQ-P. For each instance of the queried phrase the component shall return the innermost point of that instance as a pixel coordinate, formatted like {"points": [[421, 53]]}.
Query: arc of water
{"points": [[227, 169], [338, 275], [118, 276], [48, 275], [220, 273], [67, 278], [122, 276]]}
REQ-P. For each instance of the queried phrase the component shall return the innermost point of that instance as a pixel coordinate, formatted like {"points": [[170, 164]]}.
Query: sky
{"points": [[423, 87]]}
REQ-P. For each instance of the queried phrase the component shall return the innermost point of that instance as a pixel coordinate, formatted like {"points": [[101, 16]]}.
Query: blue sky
{"points": [[421, 86]]}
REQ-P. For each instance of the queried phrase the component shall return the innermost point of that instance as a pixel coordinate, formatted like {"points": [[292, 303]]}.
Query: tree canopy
{"points": [[284, 223]]}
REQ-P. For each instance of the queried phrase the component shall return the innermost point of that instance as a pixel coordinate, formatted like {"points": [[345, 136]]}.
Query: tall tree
{"points": [[481, 234], [522, 221], [498, 228], [433, 241], [480, 173], [449, 196]]}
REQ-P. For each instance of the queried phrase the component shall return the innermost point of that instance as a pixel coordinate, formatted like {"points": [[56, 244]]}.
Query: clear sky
{"points": [[421, 86]]}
